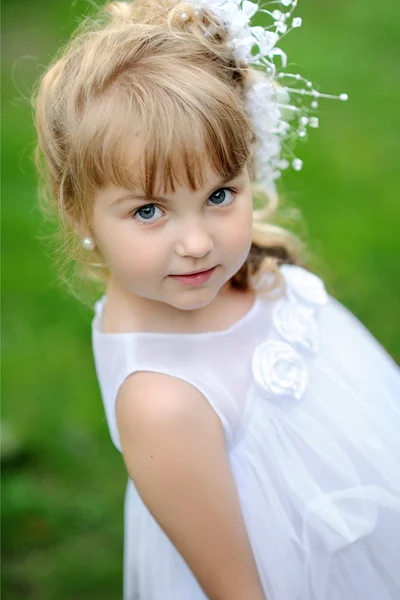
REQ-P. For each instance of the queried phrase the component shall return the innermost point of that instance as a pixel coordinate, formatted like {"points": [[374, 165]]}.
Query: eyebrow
{"points": [[142, 197]]}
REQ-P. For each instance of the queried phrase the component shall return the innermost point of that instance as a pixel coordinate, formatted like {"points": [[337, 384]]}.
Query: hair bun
{"points": [[119, 11]]}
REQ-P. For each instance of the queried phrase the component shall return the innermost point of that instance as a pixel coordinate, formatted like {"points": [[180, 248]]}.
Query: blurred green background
{"points": [[63, 486]]}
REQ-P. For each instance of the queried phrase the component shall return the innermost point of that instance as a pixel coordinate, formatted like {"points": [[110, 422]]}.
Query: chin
{"points": [[194, 300]]}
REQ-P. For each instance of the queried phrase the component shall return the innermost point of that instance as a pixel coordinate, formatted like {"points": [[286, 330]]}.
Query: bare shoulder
{"points": [[155, 400]]}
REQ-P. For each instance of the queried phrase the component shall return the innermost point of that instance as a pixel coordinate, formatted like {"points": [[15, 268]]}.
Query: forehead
{"points": [[151, 170], [134, 149]]}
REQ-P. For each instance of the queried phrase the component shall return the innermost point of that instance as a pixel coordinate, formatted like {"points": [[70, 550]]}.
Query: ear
{"points": [[79, 228]]}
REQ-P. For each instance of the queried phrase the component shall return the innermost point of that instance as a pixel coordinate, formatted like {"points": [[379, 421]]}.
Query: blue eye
{"points": [[147, 212], [221, 195]]}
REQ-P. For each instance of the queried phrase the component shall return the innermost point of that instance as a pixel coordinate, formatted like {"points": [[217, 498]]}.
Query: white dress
{"points": [[310, 405]]}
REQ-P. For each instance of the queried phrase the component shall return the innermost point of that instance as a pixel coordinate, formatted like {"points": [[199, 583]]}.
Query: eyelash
{"points": [[146, 223]]}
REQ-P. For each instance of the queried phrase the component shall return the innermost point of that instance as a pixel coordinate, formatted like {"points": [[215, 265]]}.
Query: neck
{"points": [[126, 311]]}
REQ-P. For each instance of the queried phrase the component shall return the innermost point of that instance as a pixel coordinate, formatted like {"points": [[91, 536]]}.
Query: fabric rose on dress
{"points": [[305, 285], [296, 323], [279, 370]]}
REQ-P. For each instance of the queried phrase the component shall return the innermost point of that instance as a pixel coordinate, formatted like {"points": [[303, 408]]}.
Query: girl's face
{"points": [[145, 242]]}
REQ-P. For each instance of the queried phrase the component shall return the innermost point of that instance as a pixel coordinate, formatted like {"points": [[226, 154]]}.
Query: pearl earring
{"points": [[88, 243]]}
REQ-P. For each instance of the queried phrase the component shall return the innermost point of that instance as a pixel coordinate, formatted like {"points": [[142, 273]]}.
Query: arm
{"points": [[174, 451]]}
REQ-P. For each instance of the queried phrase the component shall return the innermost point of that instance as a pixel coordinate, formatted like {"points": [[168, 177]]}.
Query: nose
{"points": [[194, 240]]}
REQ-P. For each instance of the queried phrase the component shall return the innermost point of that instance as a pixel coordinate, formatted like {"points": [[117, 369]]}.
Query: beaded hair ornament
{"points": [[277, 112]]}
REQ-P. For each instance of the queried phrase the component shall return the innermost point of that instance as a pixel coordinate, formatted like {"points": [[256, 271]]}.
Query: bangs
{"points": [[163, 143]]}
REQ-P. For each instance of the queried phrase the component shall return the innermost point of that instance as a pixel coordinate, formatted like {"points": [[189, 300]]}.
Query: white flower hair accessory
{"points": [[278, 112]]}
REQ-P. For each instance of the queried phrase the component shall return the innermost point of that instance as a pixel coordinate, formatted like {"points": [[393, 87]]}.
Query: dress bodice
{"points": [[268, 348]]}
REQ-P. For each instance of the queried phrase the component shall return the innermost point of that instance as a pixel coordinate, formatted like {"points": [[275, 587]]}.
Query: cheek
{"points": [[242, 228], [125, 249]]}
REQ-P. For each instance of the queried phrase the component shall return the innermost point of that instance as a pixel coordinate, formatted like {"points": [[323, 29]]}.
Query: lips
{"points": [[193, 273], [194, 279]]}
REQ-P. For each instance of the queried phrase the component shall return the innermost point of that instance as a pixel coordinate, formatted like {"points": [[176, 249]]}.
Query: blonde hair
{"points": [[176, 85]]}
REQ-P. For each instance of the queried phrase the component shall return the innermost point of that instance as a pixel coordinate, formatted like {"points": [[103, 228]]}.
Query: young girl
{"points": [[257, 418]]}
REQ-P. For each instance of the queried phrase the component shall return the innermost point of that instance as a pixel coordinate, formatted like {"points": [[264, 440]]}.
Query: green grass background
{"points": [[62, 503]]}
